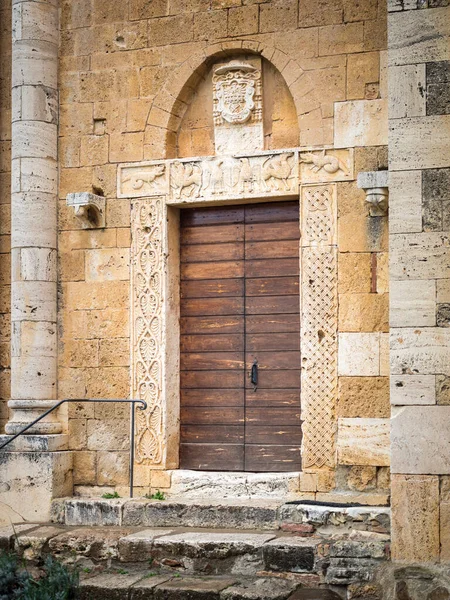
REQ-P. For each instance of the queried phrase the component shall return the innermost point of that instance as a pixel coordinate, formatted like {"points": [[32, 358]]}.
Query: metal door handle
{"points": [[254, 374]]}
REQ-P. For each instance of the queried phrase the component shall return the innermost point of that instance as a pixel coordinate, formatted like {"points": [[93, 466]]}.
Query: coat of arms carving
{"points": [[237, 93]]}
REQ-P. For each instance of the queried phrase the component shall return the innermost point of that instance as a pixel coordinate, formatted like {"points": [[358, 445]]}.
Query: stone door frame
{"points": [[156, 195]]}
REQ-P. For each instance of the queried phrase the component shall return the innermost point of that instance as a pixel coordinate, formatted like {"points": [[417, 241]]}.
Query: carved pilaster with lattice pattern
{"points": [[319, 316], [147, 277]]}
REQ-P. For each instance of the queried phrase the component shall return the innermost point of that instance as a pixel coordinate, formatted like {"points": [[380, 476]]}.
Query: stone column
{"points": [[34, 215], [419, 180]]}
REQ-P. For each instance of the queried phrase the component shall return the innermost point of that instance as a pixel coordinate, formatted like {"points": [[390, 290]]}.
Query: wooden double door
{"points": [[240, 338]]}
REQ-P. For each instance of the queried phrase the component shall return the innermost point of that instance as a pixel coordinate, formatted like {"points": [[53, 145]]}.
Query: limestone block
{"points": [[34, 175], [413, 389], [114, 353], [341, 39], [416, 37], [108, 264], [360, 123], [29, 209], [424, 448], [419, 142], [37, 338], [279, 16], [35, 63], [413, 303], [363, 312], [363, 442], [359, 354], [108, 382], [171, 30], [420, 256], [363, 397], [76, 119], [96, 295], [37, 103], [34, 139], [362, 69], [161, 479], [355, 272], [382, 272], [30, 481], [243, 20], [77, 240], [405, 201], [94, 150], [35, 21], [308, 482], [415, 518], [406, 91], [118, 213], [109, 323], [34, 264], [420, 351], [71, 265], [113, 468], [79, 353], [126, 147], [107, 435], [34, 301], [444, 533], [362, 478]]}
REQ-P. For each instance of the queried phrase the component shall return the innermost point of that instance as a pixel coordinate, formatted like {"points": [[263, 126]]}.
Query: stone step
{"points": [[180, 551], [140, 585], [302, 518]]}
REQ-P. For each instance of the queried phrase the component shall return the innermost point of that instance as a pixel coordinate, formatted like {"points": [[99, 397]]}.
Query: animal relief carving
{"points": [[186, 179], [143, 180], [276, 171]]}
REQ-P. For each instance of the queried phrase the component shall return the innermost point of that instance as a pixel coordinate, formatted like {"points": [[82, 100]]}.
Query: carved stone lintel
{"points": [[376, 186], [89, 209]]}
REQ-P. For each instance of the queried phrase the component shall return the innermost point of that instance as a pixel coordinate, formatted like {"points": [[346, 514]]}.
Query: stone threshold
{"points": [[307, 519]]}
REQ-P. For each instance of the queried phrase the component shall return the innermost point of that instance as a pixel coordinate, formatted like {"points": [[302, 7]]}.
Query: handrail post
{"points": [[132, 451]]}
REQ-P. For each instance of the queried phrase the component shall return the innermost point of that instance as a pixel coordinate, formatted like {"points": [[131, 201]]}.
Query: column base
{"points": [[33, 471]]}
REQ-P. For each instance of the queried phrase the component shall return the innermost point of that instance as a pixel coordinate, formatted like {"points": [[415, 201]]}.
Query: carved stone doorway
{"points": [[240, 338]]}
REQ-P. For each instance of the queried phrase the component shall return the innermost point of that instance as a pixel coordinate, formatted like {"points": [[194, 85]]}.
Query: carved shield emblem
{"points": [[234, 90]]}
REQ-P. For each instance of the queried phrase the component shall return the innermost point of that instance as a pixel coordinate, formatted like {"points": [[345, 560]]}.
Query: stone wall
{"points": [[419, 161], [5, 208], [129, 73]]}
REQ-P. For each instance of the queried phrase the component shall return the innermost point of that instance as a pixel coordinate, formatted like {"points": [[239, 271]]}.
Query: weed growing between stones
{"points": [[52, 582], [109, 496], [158, 495]]}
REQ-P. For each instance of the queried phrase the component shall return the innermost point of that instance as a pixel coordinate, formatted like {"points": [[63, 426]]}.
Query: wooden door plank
{"points": [[212, 415], [212, 234], [212, 216], [212, 457], [213, 379], [212, 343], [280, 249], [205, 253], [260, 342], [263, 458], [262, 305], [276, 379], [277, 267], [262, 324], [273, 435], [212, 324], [212, 270], [205, 361], [272, 231], [272, 286], [212, 288], [273, 360], [212, 397], [272, 416], [212, 434], [269, 212], [203, 307], [275, 398]]}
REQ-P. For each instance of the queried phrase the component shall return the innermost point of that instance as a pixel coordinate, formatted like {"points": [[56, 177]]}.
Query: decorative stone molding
{"points": [[147, 327], [265, 174], [376, 186], [89, 209], [237, 93], [318, 330]]}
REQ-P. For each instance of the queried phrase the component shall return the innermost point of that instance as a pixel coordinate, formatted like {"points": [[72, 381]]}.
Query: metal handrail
{"points": [[58, 404]]}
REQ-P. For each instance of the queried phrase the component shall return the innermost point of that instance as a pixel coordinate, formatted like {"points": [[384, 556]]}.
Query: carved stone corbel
{"points": [[376, 186], [89, 209]]}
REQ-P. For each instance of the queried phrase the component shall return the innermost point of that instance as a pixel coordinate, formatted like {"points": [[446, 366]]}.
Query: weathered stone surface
{"points": [[96, 543], [418, 142], [420, 351], [107, 586], [358, 549], [360, 123], [343, 571], [261, 589], [405, 201], [8, 534], [415, 515], [93, 512], [314, 595], [406, 91], [412, 303], [365, 397], [289, 554], [424, 448], [443, 389], [413, 389], [32, 544], [362, 478], [363, 442], [192, 588], [143, 589], [359, 354], [136, 546]]}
